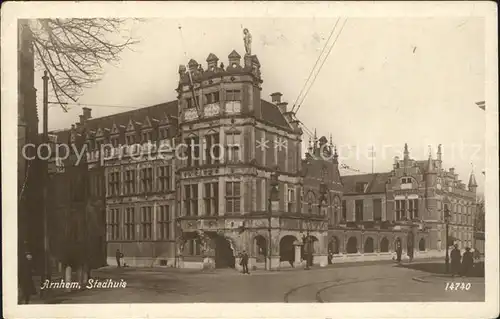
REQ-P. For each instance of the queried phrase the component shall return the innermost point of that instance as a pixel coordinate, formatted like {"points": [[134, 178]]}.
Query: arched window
{"points": [[333, 245], [352, 245], [368, 248], [384, 245], [336, 209]]}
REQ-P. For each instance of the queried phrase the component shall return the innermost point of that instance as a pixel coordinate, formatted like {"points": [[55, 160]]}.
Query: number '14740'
{"points": [[457, 286]]}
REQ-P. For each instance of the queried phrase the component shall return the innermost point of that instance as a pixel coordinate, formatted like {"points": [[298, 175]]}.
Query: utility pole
{"points": [[46, 255]]}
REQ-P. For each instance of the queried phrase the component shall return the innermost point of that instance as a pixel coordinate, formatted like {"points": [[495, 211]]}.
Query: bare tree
{"points": [[74, 51]]}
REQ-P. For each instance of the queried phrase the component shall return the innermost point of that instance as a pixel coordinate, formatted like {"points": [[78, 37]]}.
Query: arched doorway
{"points": [[287, 250], [224, 255], [368, 247], [352, 245], [260, 248], [333, 245], [421, 245], [384, 245]]}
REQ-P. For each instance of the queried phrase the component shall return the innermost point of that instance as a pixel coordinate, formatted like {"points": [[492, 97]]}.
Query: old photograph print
{"points": [[254, 159]]}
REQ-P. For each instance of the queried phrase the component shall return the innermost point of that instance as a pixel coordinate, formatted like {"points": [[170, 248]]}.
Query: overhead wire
{"points": [[321, 66], [315, 64]]}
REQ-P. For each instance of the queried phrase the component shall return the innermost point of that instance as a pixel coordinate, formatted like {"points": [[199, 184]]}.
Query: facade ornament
{"points": [[247, 39]]}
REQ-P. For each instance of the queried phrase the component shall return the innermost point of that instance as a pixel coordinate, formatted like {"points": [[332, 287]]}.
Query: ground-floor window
{"points": [[368, 248], [352, 245], [384, 245], [421, 245]]}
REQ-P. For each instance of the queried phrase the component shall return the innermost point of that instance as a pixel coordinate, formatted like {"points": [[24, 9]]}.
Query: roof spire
{"points": [[472, 179], [335, 155]]}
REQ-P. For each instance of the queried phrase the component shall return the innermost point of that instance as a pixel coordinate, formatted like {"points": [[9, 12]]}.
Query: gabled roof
{"points": [[272, 114], [234, 54], [375, 182], [212, 57]]}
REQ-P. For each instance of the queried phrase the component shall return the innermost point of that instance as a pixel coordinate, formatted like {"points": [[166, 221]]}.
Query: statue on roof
{"points": [[248, 41]]}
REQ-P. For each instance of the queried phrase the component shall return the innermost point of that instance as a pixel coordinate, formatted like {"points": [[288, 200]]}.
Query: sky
{"points": [[386, 81]]}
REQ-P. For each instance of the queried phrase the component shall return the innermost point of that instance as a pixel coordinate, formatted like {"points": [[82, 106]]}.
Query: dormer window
{"points": [[361, 187], [406, 180], [114, 141], [146, 136], [130, 139], [163, 133]]}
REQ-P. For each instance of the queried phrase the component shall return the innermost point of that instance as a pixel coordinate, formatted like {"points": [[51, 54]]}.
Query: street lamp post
{"points": [[273, 194], [447, 222]]}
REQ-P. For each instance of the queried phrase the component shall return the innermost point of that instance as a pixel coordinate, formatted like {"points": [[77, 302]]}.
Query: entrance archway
{"points": [[224, 256], [421, 245], [368, 248], [287, 250], [333, 245], [260, 248], [384, 245], [352, 245]]}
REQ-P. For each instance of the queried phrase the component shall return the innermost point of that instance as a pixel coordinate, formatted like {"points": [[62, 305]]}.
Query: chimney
{"points": [[276, 97], [282, 106], [87, 113], [82, 120], [452, 170]]}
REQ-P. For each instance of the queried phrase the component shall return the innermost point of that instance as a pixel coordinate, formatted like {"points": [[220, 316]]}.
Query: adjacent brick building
{"points": [[407, 204]]}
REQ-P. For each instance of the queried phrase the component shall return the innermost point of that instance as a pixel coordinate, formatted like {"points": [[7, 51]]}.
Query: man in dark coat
{"points": [[467, 262], [456, 257], [119, 256], [26, 278], [399, 251], [244, 262]]}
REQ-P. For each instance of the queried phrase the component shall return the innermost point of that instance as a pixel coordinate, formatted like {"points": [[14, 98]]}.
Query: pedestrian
{"points": [[26, 278], [330, 257], [399, 251], [467, 262], [119, 256], [477, 254], [244, 262], [290, 260], [456, 257]]}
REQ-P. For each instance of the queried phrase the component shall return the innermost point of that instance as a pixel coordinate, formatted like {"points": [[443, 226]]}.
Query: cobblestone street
{"points": [[355, 283]]}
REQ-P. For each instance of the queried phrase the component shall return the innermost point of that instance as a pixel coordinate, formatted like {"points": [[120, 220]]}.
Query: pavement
{"points": [[359, 282]]}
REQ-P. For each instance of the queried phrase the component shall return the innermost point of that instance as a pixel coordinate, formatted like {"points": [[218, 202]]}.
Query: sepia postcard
{"points": [[250, 159]]}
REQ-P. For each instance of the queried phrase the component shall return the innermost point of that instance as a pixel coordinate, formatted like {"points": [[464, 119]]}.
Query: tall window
{"points": [[233, 101], [191, 200], [233, 197], [211, 199], [190, 102], [130, 181], [291, 199], [413, 208], [377, 209], [164, 222], [212, 97], [130, 223], [336, 210], [400, 209], [114, 223], [147, 179], [193, 151], [114, 183], [146, 222], [358, 210], [233, 144], [344, 210], [99, 143], [164, 176], [194, 247], [212, 151]]}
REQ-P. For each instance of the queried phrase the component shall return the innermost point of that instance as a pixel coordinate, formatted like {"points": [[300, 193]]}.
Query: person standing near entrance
{"points": [[467, 262], [399, 251], [119, 256], [456, 257], [26, 278], [244, 262]]}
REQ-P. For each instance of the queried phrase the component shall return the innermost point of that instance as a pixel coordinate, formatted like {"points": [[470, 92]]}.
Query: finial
{"points": [[315, 136], [430, 150]]}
